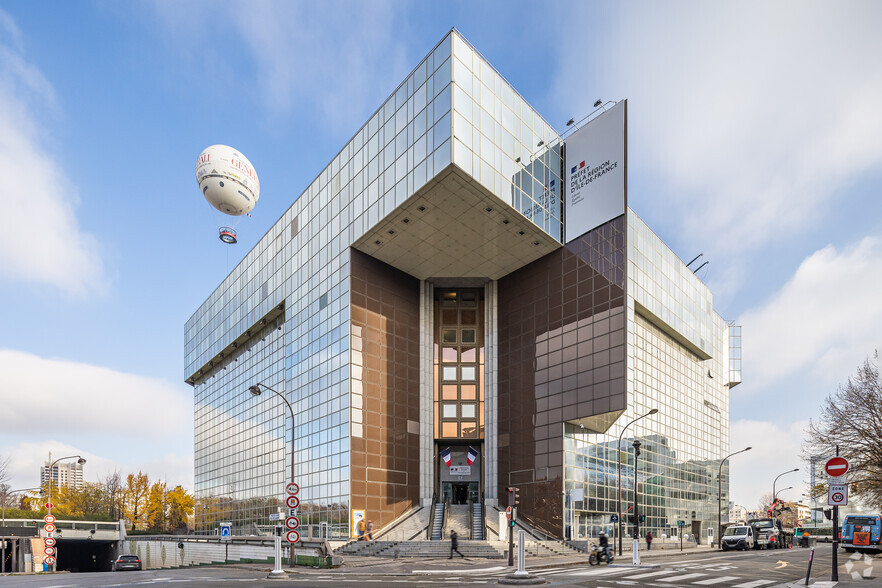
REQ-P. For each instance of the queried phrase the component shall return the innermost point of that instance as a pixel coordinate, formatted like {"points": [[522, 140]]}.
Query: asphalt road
{"points": [[753, 569]]}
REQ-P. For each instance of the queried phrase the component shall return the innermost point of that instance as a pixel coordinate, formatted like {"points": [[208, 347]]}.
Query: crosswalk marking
{"points": [[651, 574], [603, 572], [719, 580], [681, 578], [754, 584]]}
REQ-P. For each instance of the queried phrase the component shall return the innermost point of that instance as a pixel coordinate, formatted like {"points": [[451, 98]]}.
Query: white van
{"points": [[738, 537]]}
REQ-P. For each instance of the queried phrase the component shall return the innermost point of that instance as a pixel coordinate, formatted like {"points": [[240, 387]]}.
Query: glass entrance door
{"points": [[460, 492]]}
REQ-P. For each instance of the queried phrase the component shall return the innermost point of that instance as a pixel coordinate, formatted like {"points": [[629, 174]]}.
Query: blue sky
{"points": [[755, 138]]}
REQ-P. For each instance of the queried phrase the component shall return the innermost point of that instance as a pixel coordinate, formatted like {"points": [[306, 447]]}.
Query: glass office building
{"points": [[440, 336]]}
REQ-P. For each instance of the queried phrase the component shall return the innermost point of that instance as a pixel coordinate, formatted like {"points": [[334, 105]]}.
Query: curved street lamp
{"points": [[774, 494], [782, 490], [80, 460], [256, 391], [619, 476], [6, 494], [720, 496]]}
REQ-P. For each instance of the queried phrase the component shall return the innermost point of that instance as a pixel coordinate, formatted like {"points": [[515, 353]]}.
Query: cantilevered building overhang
{"points": [[445, 326]]}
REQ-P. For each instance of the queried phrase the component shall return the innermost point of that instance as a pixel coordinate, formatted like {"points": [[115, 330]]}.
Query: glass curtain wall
{"points": [[303, 263]]}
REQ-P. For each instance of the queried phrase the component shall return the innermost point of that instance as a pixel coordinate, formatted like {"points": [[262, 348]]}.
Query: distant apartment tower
{"points": [[63, 474]]}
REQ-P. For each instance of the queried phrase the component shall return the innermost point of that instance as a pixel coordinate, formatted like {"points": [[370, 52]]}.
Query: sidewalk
{"points": [[428, 565]]}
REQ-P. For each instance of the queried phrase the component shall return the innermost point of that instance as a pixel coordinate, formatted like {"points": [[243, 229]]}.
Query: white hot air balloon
{"points": [[227, 180]]}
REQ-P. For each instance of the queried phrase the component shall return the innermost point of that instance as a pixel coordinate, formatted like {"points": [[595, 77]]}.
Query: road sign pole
{"points": [[835, 577]]}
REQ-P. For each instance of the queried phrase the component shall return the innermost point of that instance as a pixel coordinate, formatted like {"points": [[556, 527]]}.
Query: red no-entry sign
{"points": [[836, 466]]}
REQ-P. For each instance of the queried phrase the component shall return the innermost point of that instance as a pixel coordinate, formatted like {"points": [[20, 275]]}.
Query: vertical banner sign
{"points": [[596, 172], [357, 515]]}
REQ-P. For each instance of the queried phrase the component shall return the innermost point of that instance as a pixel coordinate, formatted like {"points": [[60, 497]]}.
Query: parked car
{"points": [[738, 537], [126, 562]]}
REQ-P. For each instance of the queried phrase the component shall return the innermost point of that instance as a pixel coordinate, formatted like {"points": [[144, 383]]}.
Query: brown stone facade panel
{"points": [[561, 358], [384, 355]]}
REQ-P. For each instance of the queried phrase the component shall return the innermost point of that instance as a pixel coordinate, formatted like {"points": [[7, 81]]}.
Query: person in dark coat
{"points": [[454, 544], [648, 540]]}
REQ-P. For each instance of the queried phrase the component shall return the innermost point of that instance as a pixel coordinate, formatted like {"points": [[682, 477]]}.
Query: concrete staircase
{"points": [[410, 526], [459, 520], [395, 549], [365, 548]]}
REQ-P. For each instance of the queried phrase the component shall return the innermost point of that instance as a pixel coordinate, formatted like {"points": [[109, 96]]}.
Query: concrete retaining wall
{"points": [[156, 553]]}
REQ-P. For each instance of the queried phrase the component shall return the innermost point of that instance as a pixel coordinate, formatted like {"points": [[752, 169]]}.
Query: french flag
{"points": [[445, 455], [473, 455], [575, 167]]}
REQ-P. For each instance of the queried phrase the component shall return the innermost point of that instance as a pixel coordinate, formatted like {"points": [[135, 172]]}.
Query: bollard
{"points": [[808, 572], [521, 571]]}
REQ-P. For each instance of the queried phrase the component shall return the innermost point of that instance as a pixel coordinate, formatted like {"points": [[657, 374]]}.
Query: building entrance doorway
{"points": [[696, 531], [460, 492]]}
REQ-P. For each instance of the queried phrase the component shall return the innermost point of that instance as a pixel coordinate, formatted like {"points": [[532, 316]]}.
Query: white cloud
{"points": [[824, 321], [775, 450], [749, 117], [42, 241], [84, 399]]}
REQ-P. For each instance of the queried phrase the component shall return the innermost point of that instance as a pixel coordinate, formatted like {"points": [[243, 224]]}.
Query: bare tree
{"points": [[851, 419], [112, 485], [5, 476]]}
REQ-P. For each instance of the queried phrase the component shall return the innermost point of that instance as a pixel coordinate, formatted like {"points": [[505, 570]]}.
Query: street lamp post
{"points": [[782, 490], [720, 496], [80, 460], [774, 494], [6, 494], [619, 475], [635, 554], [256, 391]]}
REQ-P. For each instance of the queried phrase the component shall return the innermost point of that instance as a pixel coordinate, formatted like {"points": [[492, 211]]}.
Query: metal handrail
{"points": [[483, 519], [431, 519], [471, 515], [444, 518]]}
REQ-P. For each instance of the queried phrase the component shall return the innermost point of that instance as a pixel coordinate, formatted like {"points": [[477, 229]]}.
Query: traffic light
{"points": [[642, 518], [513, 496], [828, 514]]}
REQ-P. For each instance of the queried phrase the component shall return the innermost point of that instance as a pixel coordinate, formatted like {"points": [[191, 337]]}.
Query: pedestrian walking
{"points": [[360, 527], [370, 530], [454, 544], [648, 540]]}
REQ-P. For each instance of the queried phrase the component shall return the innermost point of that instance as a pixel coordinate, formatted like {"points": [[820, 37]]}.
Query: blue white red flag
{"points": [[473, 454], [445, 455]]}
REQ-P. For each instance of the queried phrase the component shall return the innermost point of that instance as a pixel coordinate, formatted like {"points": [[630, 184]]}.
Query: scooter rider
{"points": [[604, 545]]}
